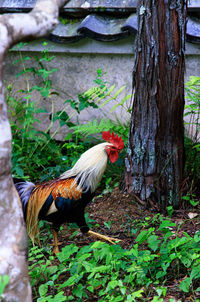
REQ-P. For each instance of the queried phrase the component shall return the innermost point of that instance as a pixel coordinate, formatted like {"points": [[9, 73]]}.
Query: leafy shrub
{"points": [[112, 273]]}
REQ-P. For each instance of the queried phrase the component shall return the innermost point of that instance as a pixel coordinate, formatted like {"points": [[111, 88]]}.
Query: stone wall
{"points": [[77, 66]]}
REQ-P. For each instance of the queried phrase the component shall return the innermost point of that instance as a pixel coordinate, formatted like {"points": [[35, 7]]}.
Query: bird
{"points": [[63, 199]]}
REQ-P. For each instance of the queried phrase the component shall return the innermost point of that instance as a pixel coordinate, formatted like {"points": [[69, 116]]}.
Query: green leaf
{"points": [[41, 110], [90, 288], [112, 284], [195, 273], [161, 291], [78, 291], [98, 244], [120, 103], [26, 70], [185, 285], [157, 299], [194, 203], [113, 97], [107, 93], [93, 127], [60, 297], [153, 242], [62, 116], [45, 73], [166, 224], [68, 137], [43, 288], [73, 104], [51, 270], [160, 274], [197, 237], [66, 252], [4, 280], [19, 171], [143, 235], [170, 210], [71, 281]]}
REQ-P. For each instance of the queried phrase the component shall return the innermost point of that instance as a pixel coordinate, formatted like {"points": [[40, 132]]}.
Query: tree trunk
{"points": [[13, 238], [155, 155]]}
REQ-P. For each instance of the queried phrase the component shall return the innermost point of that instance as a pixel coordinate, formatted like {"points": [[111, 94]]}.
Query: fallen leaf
{"points": [[192, 215]]}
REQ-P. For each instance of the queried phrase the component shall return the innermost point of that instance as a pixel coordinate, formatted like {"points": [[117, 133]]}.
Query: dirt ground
{"points": [[122, 216], [113, 215]]}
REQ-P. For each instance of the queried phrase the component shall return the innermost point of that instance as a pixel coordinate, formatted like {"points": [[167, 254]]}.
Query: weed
{"points": [[115, 274], [192, 139], [34, 150]]}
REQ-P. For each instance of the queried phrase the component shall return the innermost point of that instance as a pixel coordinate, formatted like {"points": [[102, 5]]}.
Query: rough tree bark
{"points": [[13, 240], [155, 155]]}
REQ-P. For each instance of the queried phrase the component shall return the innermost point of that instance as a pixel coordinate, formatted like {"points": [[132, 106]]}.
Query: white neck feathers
{"points": [[90, 167]]}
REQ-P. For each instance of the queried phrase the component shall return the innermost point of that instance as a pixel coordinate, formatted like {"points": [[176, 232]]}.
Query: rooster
{"points": [[64, 199]]}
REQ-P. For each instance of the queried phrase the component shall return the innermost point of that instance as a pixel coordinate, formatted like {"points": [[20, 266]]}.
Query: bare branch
{"points": [[26, 26]]}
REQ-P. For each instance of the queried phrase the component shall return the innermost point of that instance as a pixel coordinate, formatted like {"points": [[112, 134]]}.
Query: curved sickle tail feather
{"points": [[24, 190], [32, 198]]}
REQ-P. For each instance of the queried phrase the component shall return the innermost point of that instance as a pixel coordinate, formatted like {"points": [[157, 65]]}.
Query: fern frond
{"points": [[113, 97], [120, 103], [106, 94], [94, 127], [103, 96]]}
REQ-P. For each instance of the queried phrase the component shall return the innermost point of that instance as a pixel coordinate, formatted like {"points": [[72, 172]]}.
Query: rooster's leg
{"points": [[102, 237], [55, 242]]}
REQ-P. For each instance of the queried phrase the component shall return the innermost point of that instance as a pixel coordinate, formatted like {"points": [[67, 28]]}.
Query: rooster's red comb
{"points": [[115, 140]]}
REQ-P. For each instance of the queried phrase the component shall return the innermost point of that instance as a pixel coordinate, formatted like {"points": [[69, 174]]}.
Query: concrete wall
{"points": [[77, 66]]}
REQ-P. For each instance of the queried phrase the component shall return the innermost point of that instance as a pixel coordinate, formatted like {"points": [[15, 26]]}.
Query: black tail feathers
{"points": [[24, 189]]}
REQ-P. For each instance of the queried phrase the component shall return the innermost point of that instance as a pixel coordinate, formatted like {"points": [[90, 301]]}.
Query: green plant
{"points": [[190, 198], [192, 111], [102, 96], [34, 151], [29, 154], [192, 106], [112, 273], [36, 154], [4, 280]]}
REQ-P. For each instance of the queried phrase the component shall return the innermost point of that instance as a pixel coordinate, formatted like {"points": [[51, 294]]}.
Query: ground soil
{"points": [[116, 214], [122, 216]]}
